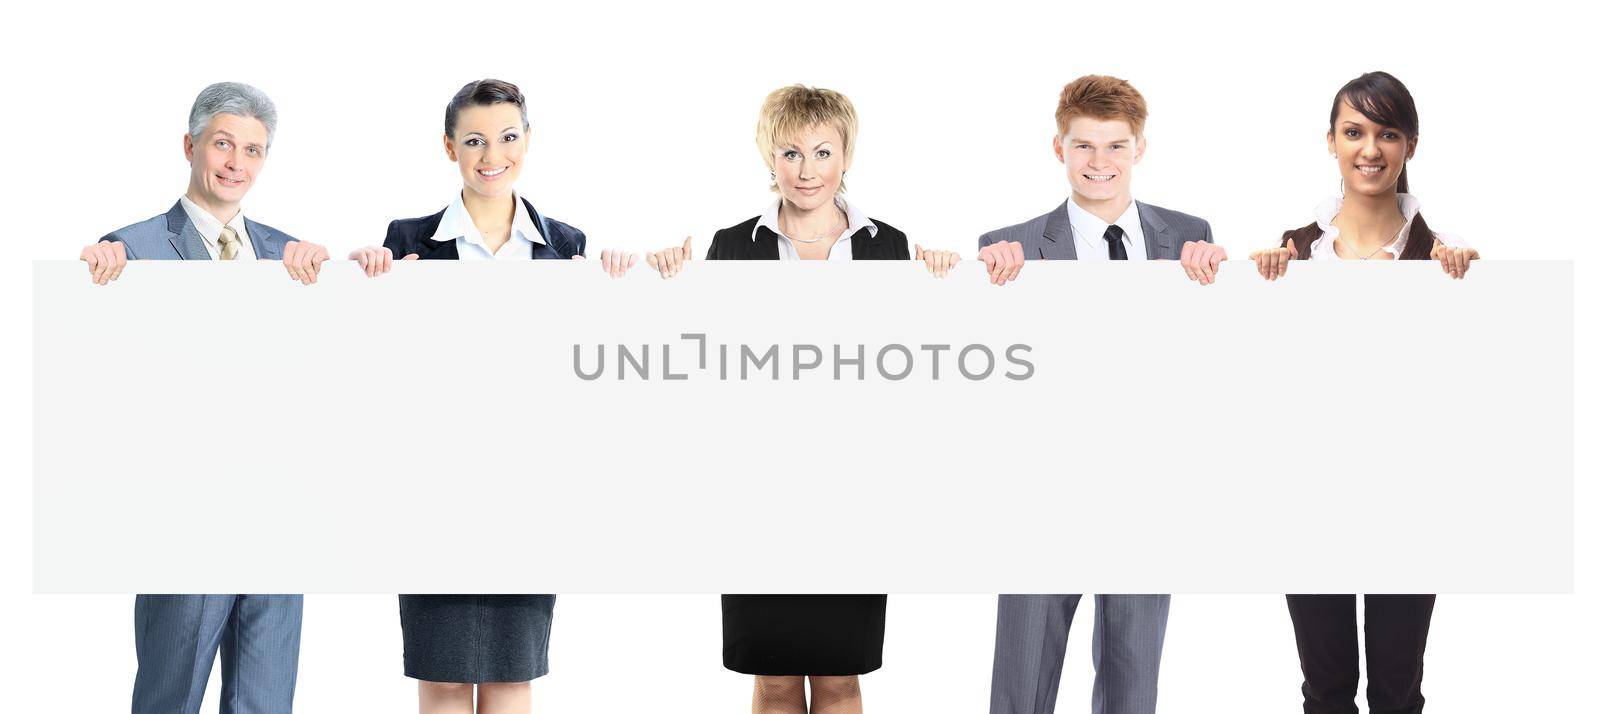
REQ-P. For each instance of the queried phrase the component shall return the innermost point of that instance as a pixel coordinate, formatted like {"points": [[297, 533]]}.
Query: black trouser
{"points": [[1397, 633]]}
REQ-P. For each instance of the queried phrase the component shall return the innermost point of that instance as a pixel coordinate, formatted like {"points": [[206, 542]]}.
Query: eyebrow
{"points": [[1074, 140], [792, 145]]}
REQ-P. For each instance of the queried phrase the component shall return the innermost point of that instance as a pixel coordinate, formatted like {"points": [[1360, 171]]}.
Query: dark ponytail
{"points": [[1383, 100]]}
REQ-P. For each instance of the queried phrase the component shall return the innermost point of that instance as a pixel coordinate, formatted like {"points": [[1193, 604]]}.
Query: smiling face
{"points": [[1370, 156], [224, 162], [1099, 155], [809, 167], [489, 144]]}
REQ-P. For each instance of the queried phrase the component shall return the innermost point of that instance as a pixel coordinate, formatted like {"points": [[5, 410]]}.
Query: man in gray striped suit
{"points": [[1100, 137], [177, 637]]}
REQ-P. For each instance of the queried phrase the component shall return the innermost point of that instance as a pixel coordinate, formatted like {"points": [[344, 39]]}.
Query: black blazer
{"points": [[735, 243], [415, 235]]}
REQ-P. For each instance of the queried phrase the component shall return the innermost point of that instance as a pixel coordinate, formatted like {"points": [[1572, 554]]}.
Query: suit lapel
{"points": [[1058, 243], [864, 245], [430, 249], [268, 243], [765, 245], [185, 238], [553, 242], [1157, 235]]}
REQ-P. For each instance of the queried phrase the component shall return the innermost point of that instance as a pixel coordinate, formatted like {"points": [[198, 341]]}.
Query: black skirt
{"points": [[476, 638], [786, 635]]}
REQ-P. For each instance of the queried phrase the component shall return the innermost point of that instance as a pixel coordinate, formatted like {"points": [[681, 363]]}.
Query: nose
{"points": [[807, 169], [1369, 147], [1098, 158]]}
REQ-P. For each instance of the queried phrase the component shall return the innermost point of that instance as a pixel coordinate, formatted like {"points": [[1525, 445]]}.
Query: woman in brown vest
{"points": [[1372, 133]]}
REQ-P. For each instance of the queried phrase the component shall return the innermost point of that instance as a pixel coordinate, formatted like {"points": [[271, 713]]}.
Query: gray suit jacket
{"points": [[174, 237], [1049, 237]]}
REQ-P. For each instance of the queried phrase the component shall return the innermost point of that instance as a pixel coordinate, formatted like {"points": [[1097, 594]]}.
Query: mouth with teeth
{"points": [[230, 183], [1369, 169], [492, 173], [1099, 178]]}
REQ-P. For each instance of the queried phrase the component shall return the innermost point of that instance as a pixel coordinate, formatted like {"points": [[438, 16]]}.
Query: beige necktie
{"points": [[228, 240]]}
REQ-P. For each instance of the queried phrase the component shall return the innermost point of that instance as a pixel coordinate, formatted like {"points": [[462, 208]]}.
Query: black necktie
{"points": [[1113, 237]]}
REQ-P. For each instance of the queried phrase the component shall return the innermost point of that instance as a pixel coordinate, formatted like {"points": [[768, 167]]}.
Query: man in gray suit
{"points": [[177, 637], [230, 130], [1100, 125]]}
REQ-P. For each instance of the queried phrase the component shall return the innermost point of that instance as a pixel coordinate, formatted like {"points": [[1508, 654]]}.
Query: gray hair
{"points": [[233, 98]]}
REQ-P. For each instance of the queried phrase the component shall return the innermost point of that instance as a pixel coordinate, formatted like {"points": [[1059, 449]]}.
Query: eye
{"points": [[1081, 146], [473, 142], [1391, 136], [253, 151], [824, 153], [1117, 147], [791, 155], [1352, 133], [222, 143], [509, 137]]}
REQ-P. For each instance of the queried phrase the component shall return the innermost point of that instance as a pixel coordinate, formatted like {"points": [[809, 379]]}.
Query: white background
{"points": [[643, 119]]}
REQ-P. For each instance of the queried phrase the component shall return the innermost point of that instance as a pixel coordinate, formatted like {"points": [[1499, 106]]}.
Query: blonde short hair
{"points": [[793, 109]]}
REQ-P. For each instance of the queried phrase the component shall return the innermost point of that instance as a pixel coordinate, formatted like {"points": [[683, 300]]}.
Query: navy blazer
{"points": [[173, 237], [415, 235], [736, 243]]}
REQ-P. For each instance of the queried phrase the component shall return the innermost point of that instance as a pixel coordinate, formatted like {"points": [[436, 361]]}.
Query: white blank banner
{"points": [[1351, 428]]}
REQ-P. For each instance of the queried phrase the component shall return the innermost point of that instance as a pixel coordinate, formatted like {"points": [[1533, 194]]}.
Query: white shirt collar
{"points": [[1329, 208], [856, 220], [1088, 228], [456, 224], [210, 228]]}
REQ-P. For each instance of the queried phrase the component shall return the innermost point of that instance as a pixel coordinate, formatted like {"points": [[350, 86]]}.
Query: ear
{"points": [[188, 148], [1138, 150], [449, 148], [1331, 150], [1060, 152], [1411, 148]]}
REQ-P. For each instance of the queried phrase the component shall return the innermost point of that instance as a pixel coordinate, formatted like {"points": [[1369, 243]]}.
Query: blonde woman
{"points": [[807, 137]]}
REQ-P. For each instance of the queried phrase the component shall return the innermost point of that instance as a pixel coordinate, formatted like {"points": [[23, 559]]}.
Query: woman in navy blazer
{"points": [[496, 643], [486, 127]]}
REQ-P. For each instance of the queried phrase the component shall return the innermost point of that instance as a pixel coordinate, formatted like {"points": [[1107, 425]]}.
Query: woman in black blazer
{"points": [[496, 643], [806, 136]]}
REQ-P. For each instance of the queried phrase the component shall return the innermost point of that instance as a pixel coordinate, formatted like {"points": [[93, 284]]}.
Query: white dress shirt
{"points": [[210, 228], [1322, 247], [855, 219], [456, 224], [1088, 232]]}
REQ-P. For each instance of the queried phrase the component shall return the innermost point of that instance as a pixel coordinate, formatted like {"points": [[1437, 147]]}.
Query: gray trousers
{"points": [[1030, 645], [178, 636]]}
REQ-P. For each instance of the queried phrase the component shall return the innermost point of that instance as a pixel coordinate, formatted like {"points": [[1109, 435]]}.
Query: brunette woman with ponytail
{"points": [[1372, 133]]}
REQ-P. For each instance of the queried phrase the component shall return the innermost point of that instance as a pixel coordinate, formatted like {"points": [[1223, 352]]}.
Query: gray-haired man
{"points": [[230, 130], [177, 637]]}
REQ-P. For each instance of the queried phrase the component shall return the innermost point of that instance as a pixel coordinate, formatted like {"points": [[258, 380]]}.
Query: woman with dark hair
{"points": [[1372, 132], [497, 643]]}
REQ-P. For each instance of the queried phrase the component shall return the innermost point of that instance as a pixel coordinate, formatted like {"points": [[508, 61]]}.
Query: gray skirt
{"points": [[476, 638]]}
